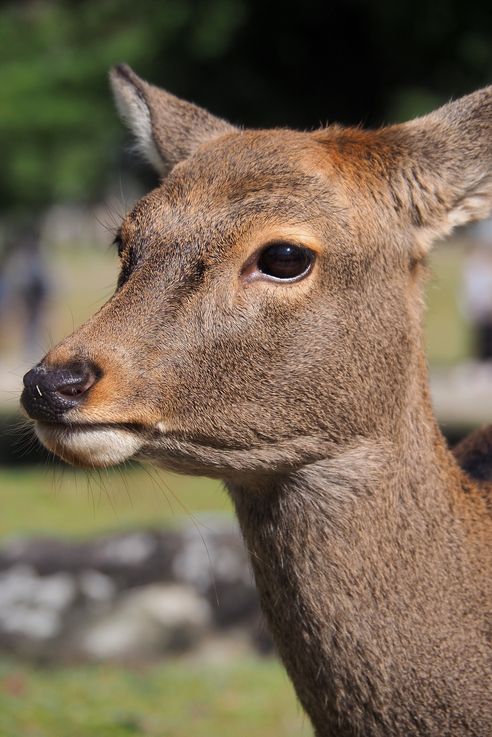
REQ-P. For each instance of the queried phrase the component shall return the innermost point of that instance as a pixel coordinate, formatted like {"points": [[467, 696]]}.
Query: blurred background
{"points": [[126, 602]]}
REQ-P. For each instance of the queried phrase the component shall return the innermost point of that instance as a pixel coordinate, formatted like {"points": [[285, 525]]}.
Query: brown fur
{"points": [[370, 546]]}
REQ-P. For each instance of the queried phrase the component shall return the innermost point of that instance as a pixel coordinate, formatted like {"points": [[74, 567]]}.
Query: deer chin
{"points": [[184, 452], [89, 446]]}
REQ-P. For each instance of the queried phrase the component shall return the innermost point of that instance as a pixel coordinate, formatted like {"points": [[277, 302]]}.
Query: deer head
{"points": [[268, 305]]}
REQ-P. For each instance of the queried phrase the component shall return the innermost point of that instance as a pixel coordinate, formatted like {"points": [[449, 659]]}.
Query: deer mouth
{"points": [[91, 445]]}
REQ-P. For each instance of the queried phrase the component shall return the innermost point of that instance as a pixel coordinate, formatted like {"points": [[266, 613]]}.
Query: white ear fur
{"points": [[168, 130], [135, 113], [474, 205]]}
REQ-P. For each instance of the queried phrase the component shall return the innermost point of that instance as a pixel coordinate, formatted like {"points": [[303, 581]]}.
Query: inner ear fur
{"points": [[436, 170], [448, 167], [442, 165], [167, 129]]}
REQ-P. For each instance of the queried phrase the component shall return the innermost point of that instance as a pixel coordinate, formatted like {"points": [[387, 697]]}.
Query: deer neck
{"points": [[348, 553]]}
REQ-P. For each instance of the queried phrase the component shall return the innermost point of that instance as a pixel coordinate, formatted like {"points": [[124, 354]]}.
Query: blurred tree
{"points": [[283, 63]]}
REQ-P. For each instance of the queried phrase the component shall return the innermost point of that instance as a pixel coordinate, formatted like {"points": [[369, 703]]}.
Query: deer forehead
{"points": [[240, 190]]}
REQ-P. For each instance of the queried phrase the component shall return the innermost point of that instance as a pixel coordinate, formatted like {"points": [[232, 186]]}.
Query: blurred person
{"points": [[24, 282]]}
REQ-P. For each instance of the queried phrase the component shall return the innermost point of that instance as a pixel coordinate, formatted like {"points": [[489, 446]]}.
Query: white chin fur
{"points": [[91, 446]]}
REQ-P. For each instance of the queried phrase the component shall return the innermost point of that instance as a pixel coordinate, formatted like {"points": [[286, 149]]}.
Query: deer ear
{"points": [[167, 129], [444, 165]]}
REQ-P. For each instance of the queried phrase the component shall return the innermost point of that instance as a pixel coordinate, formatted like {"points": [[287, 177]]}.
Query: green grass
{"points": [[174, 699], [446, 330], [62, 501]]}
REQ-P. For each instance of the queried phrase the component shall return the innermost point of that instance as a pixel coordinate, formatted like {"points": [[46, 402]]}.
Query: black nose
{"points": [[49, 392]]}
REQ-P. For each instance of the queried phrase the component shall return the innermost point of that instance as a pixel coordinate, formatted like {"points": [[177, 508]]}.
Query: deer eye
{"points": [[285, 261]]}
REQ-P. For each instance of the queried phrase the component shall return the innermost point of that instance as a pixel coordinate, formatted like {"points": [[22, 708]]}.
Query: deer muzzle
{"points": [[50, 392], [55, 396]]}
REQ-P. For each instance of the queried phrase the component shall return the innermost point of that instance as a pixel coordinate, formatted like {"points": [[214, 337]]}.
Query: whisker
{"points": [[197, 524]]}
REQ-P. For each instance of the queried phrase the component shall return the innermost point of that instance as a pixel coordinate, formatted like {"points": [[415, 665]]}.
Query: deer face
{"points": [[266, 308]]}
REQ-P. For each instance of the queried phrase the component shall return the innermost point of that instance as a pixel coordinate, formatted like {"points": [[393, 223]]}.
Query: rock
{"points": [[214, 561], [32, 607], [129, 558], [146, 623], [96, 586], [129, 595], [21, 585], [132, 549]]}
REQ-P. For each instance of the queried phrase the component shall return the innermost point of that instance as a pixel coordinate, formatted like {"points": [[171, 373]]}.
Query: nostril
{"points": [[74, 386], [71, 391]]}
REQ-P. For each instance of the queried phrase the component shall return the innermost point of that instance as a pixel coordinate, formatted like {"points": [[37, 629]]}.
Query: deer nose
{"points": [[49, 392]]}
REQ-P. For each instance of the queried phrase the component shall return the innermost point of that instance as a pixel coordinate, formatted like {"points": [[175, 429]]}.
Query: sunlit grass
{"points": [[62, 501], [174, 699], [446, 329]]}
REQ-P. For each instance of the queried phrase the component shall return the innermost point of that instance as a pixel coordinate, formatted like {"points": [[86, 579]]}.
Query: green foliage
{"points": [[59, 135], [259, 63]]}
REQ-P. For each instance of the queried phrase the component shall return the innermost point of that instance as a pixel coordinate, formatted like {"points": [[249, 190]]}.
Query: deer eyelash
{"points": [[118, 242]]}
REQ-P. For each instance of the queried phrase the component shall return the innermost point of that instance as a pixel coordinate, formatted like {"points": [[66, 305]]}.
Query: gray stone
{"points": [[148, 622], [129, 595], [96, 587]]}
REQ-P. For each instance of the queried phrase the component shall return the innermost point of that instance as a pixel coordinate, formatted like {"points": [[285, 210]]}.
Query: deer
{"points": [[266, 330]]}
